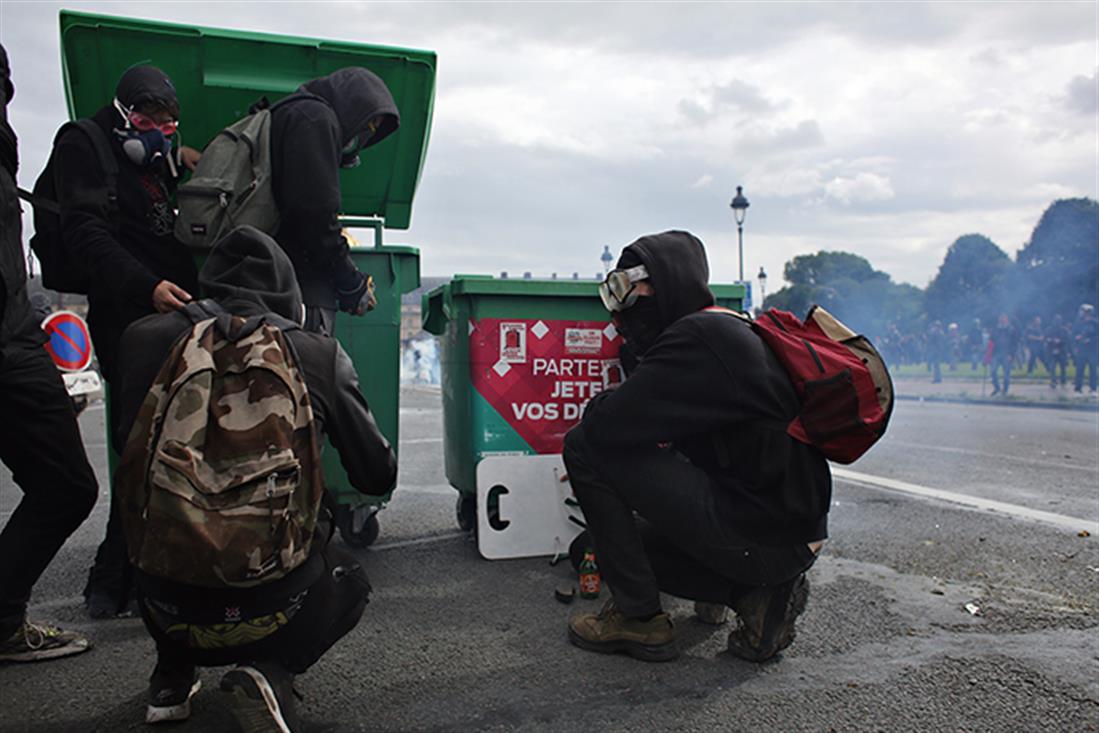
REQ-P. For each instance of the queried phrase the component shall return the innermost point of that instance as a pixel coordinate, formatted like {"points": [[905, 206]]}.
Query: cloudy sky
{"points": [[888, 129]]}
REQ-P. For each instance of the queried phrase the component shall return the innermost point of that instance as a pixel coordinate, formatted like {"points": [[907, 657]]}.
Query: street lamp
{"points": [[762, 285], [739, 205]]}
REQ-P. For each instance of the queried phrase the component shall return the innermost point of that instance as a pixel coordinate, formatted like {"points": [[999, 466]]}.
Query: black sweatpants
{"points": [[332, 607], [40, 443], [683, 543]]}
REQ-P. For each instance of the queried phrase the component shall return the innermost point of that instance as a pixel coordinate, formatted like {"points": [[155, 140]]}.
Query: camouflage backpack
{"points": [[221, 478]]}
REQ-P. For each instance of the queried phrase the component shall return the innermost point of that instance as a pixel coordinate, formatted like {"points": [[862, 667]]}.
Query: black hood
{"points": [[678, 271], [142, 85], [357, 96], [248, 273]]}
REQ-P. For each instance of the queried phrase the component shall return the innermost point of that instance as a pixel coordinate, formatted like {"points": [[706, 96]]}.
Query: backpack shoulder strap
{"points": [[728, 311], [38, 202], [198, 311], [104, 155], [106, 158]]}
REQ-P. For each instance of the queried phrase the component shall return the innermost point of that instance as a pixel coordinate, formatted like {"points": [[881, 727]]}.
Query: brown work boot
{"points": [[765, 619], [609, 631]]}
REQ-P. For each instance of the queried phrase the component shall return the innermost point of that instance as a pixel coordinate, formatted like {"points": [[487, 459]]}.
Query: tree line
{"points": [[1055, 272]]}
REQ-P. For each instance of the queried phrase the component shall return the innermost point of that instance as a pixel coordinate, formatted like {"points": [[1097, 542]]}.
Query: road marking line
{"points": [[1073, 523], [421, 541], [999, 456], [412, 441]]}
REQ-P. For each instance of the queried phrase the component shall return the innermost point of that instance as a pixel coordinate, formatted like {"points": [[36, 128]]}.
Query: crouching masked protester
{"points": [[688, 481], [221, 486]]}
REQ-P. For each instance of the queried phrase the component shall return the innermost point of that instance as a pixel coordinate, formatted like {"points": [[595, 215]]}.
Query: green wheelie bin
{"points": [[218, 74], [519, 359]]}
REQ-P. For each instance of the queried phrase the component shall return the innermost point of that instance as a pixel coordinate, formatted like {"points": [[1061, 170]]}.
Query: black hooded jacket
{"points": [[18, 323], [307, 140], [247, 274], [713, 389], [124, 264]]}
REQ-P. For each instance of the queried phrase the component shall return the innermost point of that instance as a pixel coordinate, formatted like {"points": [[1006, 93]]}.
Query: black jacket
{"points": [[307, 139], [124, 267], [247, 274], [713, 389], [18, 323]]}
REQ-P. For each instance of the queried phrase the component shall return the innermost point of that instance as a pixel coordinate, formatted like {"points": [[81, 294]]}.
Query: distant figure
{"points": [[1035, 344], [1005, 342], [936, 350], [1058, 339], [1084, 345], [953, 345], [975, 343], [39, 437]]}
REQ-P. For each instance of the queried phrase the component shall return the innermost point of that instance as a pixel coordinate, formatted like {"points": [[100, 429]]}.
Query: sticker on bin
{"points": [[513, 343], [539, 374], [583, 340]]}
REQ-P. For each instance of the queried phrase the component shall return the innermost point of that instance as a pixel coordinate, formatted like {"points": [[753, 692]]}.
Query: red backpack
{"points": [[842, 381]]}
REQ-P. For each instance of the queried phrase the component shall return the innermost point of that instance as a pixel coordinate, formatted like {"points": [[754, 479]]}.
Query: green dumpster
{"points": [[519, 360], [218, 75]]}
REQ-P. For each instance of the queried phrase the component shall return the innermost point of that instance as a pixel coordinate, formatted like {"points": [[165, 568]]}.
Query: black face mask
{"points": [[640, 324]]}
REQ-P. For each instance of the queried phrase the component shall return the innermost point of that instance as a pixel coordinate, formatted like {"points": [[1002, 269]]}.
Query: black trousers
{"points": [[40, 443], [110, 573], [680, 541], [331, 609]]}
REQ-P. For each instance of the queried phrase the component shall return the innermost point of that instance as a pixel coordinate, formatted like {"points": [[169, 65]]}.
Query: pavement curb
{"points": [[960, 400]]}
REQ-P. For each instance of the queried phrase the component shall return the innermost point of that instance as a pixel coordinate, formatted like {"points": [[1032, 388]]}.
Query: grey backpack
{"points": [[231, 186]]}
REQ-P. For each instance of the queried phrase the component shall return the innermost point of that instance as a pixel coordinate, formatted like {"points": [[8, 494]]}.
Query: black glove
{"points": [[359, 298]]}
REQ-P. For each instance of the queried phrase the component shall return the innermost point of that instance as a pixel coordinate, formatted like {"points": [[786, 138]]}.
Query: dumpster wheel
{"points": [[358, 525], [466, 511]]}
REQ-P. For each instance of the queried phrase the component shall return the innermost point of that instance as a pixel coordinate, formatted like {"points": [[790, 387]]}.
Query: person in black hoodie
{"points": [[39, 436], [730, 509], [135, 265], [311, 139], [248, 275]]}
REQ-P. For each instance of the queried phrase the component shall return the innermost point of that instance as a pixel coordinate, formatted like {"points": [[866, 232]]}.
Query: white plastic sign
{"points": [[521, 509]]}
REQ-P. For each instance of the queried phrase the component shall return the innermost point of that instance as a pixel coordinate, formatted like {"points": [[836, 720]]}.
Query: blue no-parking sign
{"points": [[70, 344]]}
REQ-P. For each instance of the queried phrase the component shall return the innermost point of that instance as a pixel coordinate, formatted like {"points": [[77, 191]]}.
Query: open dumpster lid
{"points": [[219, 73]]}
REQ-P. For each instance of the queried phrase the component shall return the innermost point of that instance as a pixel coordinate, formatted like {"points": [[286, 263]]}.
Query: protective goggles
{"points": [[619, 290], [144, 123]]}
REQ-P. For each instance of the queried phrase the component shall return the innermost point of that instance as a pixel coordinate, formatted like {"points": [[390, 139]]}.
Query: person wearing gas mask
{"points": [[135, 265], [311, 140], [688, 480]]}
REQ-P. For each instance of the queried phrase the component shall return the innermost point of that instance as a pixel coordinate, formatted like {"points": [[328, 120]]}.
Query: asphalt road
{"points": [[451, 642]]}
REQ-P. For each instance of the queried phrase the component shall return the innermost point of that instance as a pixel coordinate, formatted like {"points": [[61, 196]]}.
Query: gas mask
{"points": [[640, 323], [143, 140], [349, 156]]}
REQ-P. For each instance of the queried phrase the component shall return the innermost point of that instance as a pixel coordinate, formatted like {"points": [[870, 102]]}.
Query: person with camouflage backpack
{"points": [[223, 405]]}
